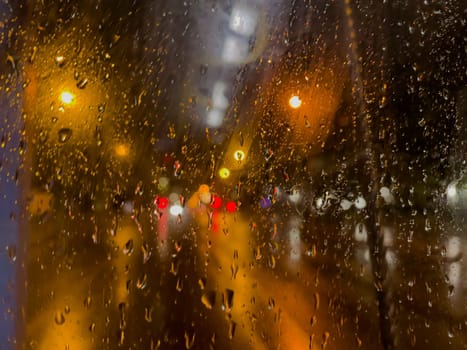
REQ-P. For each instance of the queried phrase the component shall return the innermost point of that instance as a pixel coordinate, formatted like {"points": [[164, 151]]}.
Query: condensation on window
{"points": [[233, 174]]}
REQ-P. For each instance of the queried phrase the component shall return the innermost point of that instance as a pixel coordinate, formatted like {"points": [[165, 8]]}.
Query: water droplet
{"points": [[171, 134], [60, 61], [128, 248], [360, 202], [179, 285], [258, 255], [450, 333], [11, 60], [203, 69], [213, 341], [346, 204], [202, 283], [174, 268], [232, 327], [148, 314], [450, 290], [99, 138], [359, 341], [272, 262], [413, 339], [121, 336], [128, 282], [189, 341], [271, 303], [92, 327], [427, 225], [59, 318], [325, 340], [312, 340], [82, 83], [146, 252], [234, 270], [312, 251], [155, 345], [316, 300], [67, 309], [87, 302], [227, 300], [43, 136], [209, 299], [11, 253], [64, 135], [142, 282], [101, 108]]}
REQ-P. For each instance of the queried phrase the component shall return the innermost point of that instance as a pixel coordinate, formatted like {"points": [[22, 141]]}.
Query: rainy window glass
{"points": [[233, 174]]}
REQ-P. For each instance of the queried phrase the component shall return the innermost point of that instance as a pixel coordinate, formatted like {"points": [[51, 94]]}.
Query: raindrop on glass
{"points": [[87, 302], [208, 299], [142, 282], [12, 253], [82, 83], [128, 248], [64, 135], [232, 326], [189, 341], [60, 61], [59, 318], [148, 314], [227, 300]]}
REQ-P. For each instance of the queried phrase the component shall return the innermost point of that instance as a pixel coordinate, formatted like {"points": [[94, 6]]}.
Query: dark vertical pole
{"points": [[365, 82]]}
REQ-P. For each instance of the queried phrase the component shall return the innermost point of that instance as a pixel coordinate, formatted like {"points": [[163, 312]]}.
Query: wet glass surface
{"points": [[233, 174]]}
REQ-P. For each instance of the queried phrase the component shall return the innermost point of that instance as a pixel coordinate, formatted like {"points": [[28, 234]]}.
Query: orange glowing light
{"points": [[122, 150], [203, 189]]}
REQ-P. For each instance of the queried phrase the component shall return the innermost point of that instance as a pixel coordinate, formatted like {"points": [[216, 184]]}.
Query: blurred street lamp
{"points": [[224, 173], [66, 97], [122, 150], [239, 155], [295, 102]]}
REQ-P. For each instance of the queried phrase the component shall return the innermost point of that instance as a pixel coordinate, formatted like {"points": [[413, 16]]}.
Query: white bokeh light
{"points": [[235, 49], [451, 191], [243, 20], [176, 210]]}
